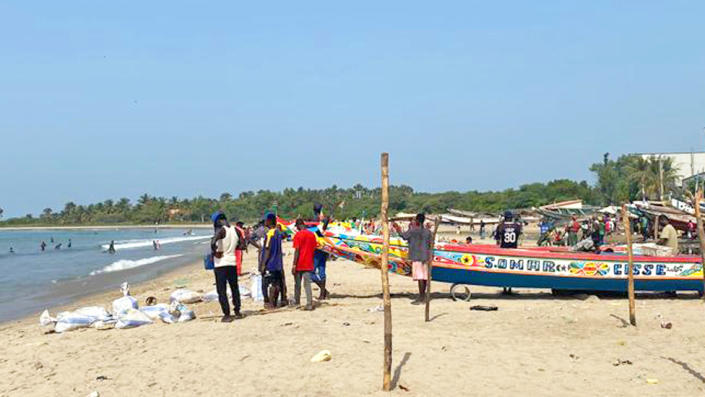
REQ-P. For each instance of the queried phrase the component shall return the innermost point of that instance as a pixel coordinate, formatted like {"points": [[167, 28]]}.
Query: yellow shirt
{"points": [[670, 234]]}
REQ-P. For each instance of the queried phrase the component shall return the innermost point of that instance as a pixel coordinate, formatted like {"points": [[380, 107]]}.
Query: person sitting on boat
{"points": [[668, 236], [468, 240], [420, 250]]}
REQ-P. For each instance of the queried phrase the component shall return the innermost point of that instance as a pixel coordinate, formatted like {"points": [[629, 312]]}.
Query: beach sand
{"points": [[534, 345]]}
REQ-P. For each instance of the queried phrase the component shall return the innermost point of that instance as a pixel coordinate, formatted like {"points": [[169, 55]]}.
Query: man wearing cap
{"points": [[223, 245]]}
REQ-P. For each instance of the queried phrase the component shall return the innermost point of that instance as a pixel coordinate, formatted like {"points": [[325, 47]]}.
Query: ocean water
{"points": [[32, 280]]}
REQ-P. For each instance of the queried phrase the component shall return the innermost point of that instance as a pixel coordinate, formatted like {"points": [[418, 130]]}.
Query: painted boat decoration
{"points": [[525, 267]]}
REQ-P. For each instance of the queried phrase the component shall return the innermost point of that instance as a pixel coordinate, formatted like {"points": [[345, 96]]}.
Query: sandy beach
{"points": [[535, 345]]}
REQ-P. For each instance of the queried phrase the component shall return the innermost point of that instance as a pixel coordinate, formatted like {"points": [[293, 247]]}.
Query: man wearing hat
{"points": [[223, 244]]}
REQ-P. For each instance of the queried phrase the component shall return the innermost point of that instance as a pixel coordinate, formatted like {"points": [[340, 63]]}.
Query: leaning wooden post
{"points": [[384, 268], [630, 285], [701, 233], [429, 270]]}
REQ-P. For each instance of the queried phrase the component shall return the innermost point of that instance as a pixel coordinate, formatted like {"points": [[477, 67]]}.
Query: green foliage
{"points": [[357, 201], [625, 179]]}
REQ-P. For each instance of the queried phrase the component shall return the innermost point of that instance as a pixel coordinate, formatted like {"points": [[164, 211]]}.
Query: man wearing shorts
{"points": [[271, 265], [420, 250]]}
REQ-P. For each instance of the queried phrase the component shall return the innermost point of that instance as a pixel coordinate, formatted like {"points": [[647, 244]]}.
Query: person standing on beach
{"points": [[305, 245], [271, 265], [223, 245], [508, 231], [420, 250], [482, 228], [573, 229]]}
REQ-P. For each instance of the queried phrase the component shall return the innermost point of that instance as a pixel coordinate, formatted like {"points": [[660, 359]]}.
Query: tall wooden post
{"points": [[657, 222], [429, 270], [630, 282], [384, 268], [701, 233]]}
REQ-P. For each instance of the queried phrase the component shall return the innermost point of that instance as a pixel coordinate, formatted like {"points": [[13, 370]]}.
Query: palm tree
{"points": [[639, 171]]}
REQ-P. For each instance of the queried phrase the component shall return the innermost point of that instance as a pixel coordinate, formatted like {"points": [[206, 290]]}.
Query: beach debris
{"points": [[622, 343], [593, 298], [323, 355], [287, 324], [45, 319], [155, 311], [652, 381], [101, 377], [150, 301], [403, 387], [378, 308], [664, 324], [346, 324], [619, 362], [132, 318], [483, 308], [38, 365], [574, 356], [94, 394], [180, 312], [184, 295]]}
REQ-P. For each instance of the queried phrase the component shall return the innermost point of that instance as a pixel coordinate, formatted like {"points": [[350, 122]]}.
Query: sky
{"points": [[104, 100]]}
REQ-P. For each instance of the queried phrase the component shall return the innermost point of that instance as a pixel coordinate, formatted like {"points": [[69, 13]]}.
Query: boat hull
{"points": [[528, 268]]}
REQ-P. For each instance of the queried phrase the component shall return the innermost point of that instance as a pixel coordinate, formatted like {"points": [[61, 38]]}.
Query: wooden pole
{"points": [[384, 268], [701, 233], [630, 282], [429, 270], [656, 225]]}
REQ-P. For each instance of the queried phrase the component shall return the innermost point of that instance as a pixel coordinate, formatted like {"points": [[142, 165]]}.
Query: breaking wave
{"points": [[127, 244], [124, 264]]}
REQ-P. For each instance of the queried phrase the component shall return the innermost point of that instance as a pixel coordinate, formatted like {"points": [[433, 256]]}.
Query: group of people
{"points": [[43, 245], [308, 264]]}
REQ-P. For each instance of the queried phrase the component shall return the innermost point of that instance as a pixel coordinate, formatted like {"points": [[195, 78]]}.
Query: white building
{"points": [[686, 163]]}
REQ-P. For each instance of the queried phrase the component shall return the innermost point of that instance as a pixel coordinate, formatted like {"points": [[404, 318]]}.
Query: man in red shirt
{"points": [[305, 244]]}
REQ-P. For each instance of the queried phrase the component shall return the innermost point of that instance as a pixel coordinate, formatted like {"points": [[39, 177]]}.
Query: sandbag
{"points": [[104, 325], [155, 311], [132, 318], [210, 296], [45, 319], [180, 312], [98, 313], [122, 305], [184, 295], [69, 321], [256, 288]]}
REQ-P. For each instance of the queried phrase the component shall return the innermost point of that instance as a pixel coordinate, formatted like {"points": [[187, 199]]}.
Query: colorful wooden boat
{"points": [[489, 265]]}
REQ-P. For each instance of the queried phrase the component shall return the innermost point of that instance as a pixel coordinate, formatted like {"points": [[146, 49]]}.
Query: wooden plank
{"points": [[384, 268], [630, 254], [429, 270]]}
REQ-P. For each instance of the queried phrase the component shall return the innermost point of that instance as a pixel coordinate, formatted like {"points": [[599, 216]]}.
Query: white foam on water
{"points": [[128, 244], [124, 264]]}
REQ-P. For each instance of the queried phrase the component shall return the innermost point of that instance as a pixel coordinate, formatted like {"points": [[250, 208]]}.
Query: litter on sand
{"points": [[484, 308], [323, 355]]}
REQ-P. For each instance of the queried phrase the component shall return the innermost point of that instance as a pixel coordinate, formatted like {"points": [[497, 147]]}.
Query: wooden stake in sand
{"points": [[429, 270], [630, 285], [701, 232], [384, 268]]}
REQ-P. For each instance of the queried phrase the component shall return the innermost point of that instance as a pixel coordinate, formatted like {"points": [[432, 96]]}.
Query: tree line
{"points": [[624, 179]]}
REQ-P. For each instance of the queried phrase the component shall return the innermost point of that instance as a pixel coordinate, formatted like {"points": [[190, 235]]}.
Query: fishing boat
{"points": [[489, 265]]}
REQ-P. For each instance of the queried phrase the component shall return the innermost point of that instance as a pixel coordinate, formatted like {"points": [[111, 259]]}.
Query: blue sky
{"points": [[109, 99]]}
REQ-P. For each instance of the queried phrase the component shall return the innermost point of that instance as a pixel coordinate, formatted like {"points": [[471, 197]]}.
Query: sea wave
{"points": [[128, 244], [124, 264]]}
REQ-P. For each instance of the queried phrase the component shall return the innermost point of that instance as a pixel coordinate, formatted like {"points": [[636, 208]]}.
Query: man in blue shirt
{"points": [[271, 265]]}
